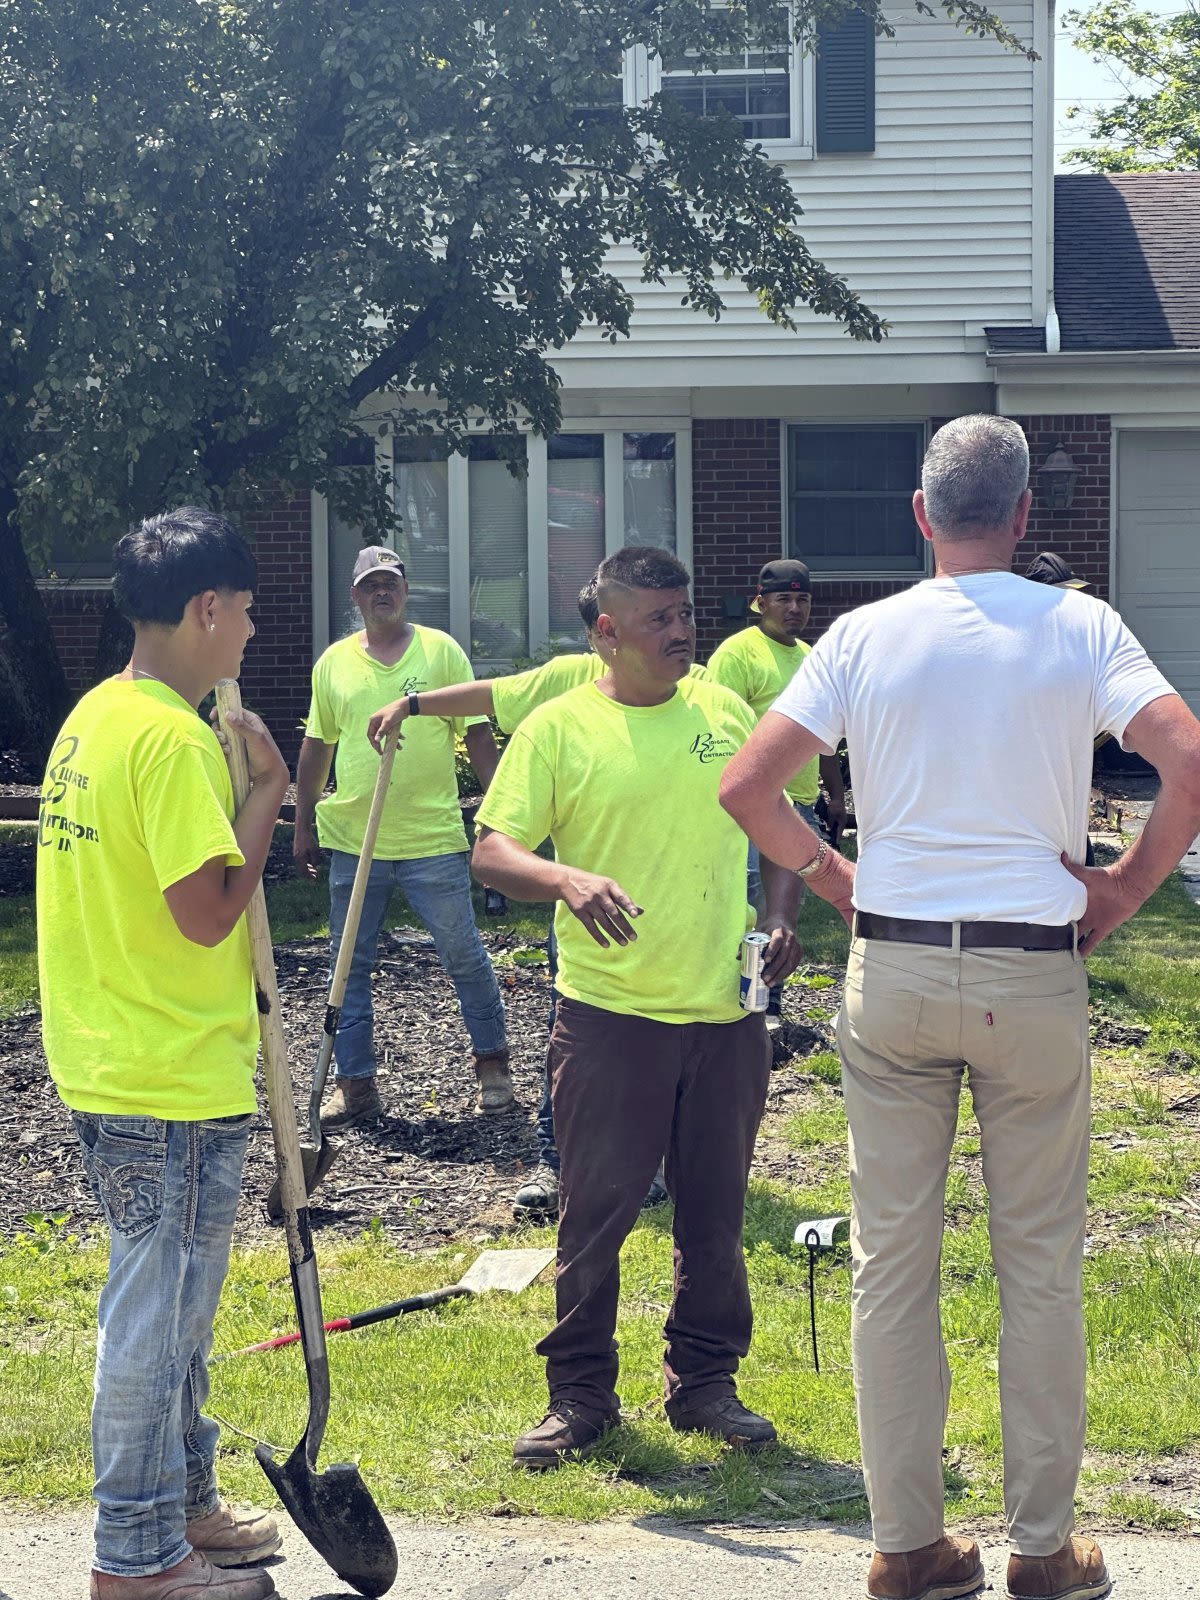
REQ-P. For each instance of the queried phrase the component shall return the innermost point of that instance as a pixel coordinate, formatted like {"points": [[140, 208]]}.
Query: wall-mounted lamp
{"points": [[1058, 474]]}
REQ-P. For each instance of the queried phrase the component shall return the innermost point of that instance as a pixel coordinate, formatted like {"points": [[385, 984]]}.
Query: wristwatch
{"points": [[414, 706], [812, 866]]}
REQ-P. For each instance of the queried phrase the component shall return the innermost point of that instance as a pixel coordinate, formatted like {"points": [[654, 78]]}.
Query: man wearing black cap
{"points": [[757, 664], [421, 848], [1049, 567]]}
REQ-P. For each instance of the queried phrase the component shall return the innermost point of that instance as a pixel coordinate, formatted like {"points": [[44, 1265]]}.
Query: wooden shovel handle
{"points": [[276, 1071], [341, 971]]}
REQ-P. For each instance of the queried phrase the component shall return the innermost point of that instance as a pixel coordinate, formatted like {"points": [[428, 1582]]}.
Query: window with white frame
{"points": [[497, 560], [850, 495], [754, 84]]}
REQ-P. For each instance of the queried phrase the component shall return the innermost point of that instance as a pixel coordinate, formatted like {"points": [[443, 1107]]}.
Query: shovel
{"points": [[332, 1509], [507, 1270], [319, 1154]]}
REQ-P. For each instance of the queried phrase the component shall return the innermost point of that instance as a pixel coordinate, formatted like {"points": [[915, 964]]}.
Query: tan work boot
{"points": [[353, 1100], [942, 1570], [1076, 1572], [495, 1083], [232, 1538], [193, 1578]]}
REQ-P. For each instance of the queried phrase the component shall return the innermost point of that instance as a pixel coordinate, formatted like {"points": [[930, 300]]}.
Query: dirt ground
{"points": [[432, 1169]]}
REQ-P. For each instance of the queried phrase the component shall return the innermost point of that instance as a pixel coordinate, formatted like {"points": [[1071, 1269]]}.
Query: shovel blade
{"points": [[336, 1514], [317, 1160], [507, 1270]]}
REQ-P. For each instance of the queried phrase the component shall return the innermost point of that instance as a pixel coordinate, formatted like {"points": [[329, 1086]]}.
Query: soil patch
{"points": [[432, 1169]]}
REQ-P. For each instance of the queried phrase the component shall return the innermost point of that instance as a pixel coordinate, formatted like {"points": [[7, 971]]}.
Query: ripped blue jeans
{"points": [[169, 1192]]}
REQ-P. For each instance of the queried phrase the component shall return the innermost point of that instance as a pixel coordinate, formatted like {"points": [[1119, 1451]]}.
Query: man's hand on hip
{"points": [[1109, 903]]}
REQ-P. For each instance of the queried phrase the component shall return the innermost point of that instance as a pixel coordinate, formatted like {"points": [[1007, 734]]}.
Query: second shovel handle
{"points": [[341, 970]]}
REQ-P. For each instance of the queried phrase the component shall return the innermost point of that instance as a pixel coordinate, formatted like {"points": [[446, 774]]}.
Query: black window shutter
{"points": [[846, 85]]}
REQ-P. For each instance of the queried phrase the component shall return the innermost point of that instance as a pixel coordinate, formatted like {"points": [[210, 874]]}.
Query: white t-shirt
{"points": [[970, 706]]}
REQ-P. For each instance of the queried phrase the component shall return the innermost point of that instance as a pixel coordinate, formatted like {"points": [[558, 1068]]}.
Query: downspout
{"points": [[1046, 49]]}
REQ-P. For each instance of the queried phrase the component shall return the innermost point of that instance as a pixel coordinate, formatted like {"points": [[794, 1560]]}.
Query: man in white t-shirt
{"points": [[970, 703]]}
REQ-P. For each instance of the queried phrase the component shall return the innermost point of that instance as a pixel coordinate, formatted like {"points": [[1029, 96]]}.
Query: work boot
{"points": [[563, 1434], [495, 1082], [193, 1578], [937, 1571], [353, 1100], [725, 1418], [1076, 1572], [232, 1538], [538, 1195]]}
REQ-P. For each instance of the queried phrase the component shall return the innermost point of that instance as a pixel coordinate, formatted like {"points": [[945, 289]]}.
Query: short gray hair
{"points": [[974, 473]]}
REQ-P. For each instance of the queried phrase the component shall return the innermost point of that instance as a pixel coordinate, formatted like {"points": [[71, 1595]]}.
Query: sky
{"points": [[1080, 81]]}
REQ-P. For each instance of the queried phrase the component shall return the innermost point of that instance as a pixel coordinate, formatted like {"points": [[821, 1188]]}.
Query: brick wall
{"points": [[1081, 534], [277, 668], [276, 673]]}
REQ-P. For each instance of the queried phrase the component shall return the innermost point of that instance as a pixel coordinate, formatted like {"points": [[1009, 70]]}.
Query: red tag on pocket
{"points": [[989, 1019]]}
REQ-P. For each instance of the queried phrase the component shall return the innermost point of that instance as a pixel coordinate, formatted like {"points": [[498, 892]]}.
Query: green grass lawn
{"points": [[430, 1404]]}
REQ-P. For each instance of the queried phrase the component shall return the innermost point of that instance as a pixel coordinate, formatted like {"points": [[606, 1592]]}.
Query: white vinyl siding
{"points": [[934, 229]]}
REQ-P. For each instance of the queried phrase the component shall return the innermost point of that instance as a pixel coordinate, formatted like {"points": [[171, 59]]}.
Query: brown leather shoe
{"points": [[939, 1571], [1076, 1572], [495, 1083], [562, 1435], [725, 1418], [193, 1578], [353, 1100], [232, 1538]]}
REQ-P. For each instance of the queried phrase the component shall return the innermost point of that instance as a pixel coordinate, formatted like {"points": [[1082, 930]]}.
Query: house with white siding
{"points": [[923, 162]]}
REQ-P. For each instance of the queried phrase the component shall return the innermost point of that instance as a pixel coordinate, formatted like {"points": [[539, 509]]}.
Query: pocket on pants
{"points": [[879, 1018], [125, 1159], [1040, 1040]]}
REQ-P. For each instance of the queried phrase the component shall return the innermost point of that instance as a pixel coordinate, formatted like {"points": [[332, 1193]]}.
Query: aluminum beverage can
{"points": [[756, 994]]}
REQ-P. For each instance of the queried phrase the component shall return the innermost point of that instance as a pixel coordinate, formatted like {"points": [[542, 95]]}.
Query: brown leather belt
{"points": [[972, 935]]}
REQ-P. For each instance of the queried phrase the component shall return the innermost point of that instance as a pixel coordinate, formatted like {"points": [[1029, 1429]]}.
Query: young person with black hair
{"points": [[151, 1033]]}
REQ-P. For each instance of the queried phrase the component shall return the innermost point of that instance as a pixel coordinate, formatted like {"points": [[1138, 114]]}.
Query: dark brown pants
{"points": [[625, 1091]]}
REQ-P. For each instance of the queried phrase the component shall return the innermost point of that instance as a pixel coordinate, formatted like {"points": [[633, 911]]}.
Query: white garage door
{"points": [[1158, 550]]}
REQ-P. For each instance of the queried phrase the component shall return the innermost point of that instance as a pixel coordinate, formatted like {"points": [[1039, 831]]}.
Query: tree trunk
{"points": [[34, 696]]}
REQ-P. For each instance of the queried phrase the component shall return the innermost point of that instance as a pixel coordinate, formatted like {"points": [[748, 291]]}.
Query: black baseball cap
{"points": [[1048, 567], [784, 577]]}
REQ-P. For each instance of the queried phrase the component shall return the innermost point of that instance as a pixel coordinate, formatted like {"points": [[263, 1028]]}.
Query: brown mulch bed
{"points": [[432, 1169]]}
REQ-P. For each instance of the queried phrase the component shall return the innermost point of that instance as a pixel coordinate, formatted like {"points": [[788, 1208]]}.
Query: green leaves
{"points": [[1156, 127]]}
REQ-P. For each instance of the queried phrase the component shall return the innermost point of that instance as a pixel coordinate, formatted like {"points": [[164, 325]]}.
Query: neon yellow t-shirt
{"points": [[758, 669], [136, 1019], [631, 792], [422, 815], [515, 697]]}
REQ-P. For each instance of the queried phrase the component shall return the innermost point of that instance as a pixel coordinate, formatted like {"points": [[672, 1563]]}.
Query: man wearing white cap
{"points": [[422, 847]]}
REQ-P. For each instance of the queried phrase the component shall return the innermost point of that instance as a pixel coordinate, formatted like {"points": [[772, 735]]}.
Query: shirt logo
{"points": [[707, 747], [55, 827]]}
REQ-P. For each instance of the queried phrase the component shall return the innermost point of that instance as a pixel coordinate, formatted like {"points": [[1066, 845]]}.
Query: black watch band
{"points": [[414, 706]]}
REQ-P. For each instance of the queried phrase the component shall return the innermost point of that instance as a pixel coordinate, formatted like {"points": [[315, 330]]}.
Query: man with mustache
{"points": [[422, 847], [651, 1051]]}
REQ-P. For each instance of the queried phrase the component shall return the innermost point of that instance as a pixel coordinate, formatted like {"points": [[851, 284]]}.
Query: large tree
{"points": [[1155, 126], [225, 223]]}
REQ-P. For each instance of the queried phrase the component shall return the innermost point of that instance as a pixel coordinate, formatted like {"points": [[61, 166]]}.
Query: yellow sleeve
{"points": [[520, 798], [181, 810], [453, 666], [728, 666], [321, 722]]}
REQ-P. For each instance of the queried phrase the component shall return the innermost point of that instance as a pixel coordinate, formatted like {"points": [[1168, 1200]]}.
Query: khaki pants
{"points": [[912, 1018]]}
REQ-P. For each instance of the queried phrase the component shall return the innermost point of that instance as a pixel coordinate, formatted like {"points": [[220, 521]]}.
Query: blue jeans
{"points": [[439, 890], [169, 1191]]}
